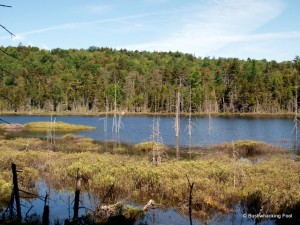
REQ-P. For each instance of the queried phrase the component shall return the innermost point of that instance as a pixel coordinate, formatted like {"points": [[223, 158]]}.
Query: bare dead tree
{"points": [[296, 121], [191, 185], [156, 140], [177, 121], [177, 118], [190, 123]]}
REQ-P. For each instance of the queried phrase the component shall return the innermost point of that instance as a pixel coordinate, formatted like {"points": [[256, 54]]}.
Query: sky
{"points": [[256, 29]]}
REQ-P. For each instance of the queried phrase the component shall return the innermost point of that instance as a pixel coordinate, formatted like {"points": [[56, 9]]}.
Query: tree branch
{"points": [[7, 30], [8, 6], [4, 121]]}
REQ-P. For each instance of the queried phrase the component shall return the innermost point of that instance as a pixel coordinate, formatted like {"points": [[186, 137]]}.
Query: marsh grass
{"points": [[59, 126], [148, 146], [271, 185], [249, 148], [44, 126]]}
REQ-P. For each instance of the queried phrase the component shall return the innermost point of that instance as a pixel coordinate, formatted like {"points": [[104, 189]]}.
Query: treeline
{"points": [[92, 80]]}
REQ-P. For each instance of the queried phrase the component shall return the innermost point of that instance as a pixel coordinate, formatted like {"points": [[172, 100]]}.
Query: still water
{"points": [[61, 208], [136, 129]]}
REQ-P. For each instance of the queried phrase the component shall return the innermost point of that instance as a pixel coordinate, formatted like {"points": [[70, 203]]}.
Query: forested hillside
{"points": [[89, 80]]}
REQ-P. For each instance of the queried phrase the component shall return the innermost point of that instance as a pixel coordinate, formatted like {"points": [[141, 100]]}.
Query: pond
{"points": [[136, 129], [61, 208]]}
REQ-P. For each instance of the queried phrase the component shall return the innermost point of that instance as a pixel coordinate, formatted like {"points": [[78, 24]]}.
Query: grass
{"points": [[249, 148], [44, 126], [149, 146], [59, 126], [220, 181]]}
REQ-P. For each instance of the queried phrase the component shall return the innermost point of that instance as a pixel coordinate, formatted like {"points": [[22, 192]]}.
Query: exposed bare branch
{"points": [[7, 30], [1, 95], [8, 6], [4, 121]]}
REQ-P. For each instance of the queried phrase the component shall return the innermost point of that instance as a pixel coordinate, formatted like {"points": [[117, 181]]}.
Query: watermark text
{"points": [[268, 216]]}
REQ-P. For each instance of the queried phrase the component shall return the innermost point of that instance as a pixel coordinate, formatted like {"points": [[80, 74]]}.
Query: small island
{"points": [[44, 126]]}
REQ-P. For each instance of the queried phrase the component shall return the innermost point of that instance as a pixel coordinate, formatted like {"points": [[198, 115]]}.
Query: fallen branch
{"points": [[106, 211], [149, 205]]}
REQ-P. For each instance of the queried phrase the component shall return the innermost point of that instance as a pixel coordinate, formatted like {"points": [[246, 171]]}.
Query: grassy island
{"points": [[44, 126], [57, 126]]}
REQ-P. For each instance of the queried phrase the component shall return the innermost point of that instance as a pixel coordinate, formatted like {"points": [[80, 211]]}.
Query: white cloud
{"points": [[271, 36], [18, 37], [78, 25], [213, 25], [280, 46]]}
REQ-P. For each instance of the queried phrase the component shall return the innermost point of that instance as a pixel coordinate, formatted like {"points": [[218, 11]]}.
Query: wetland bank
{"points": [[233, 179]]}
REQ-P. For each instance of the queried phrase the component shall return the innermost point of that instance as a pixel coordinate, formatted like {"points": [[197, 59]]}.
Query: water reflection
{"points": [[205, 132], [61, 208]]}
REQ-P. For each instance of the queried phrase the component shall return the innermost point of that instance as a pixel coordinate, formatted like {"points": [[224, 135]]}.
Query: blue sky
{"points": [[258, 29]]}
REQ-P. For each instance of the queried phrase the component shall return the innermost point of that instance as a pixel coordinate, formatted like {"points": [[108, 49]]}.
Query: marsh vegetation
{"points": [[222, 176]]}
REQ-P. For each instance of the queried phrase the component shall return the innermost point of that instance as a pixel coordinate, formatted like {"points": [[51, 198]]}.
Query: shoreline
{"points": [[69, 113]]}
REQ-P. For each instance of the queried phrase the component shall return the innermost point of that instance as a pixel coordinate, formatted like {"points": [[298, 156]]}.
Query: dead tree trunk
{"points": [[191, 185], [16, 191], [11, 205], [77, 194], [46, 212], [296, 116], [177, 121], [177, 148]]}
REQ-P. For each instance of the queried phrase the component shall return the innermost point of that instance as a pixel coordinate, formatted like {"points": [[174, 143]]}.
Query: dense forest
{"points": [[91, 80]]}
